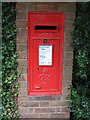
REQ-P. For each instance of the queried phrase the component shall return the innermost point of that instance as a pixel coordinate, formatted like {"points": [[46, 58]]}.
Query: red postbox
{"points": [[45, 53]]}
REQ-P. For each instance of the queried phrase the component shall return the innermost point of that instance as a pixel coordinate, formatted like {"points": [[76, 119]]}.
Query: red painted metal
{"points": [[45, 29]]}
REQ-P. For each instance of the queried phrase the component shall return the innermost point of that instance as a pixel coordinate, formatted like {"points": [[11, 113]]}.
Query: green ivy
{"points": [[80, 96], [0, 59], [9, 63]]}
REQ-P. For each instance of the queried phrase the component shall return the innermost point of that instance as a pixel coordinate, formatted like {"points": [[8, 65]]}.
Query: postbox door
{"points": [[45, 52], [45, 71]]}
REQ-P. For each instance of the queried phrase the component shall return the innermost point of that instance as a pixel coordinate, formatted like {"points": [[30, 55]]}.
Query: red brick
{"points": [[22, 39], [21, 6], [66, 91], [61, 7], [69, 16], [51, 97], [64, 97], [67, 77], [65, 109], [29, 104], [22, 47], [44, 104], [59, 103], [31, 6], [23, 104], [57, 97], [22, 55], [23, 110], [67, 84], [21, 15], [68, 39], [67, 67], [23, 70], [22, 32], [30, 116], [24, 116], [23, 98], [68, 55], [54, 103], [23, 91], [30, 110], [70, 7], [58, 109], [21, 24], [44, 115], [33, 104], [69, 25], [67, 33], [68, 62], [44, 110], [44, 98], [34, 116], [67, 70], [60, 115], [22, 78], [31, 98], [22, 63], [68, 48], [64, 103], [46, 7], [23, 84]]}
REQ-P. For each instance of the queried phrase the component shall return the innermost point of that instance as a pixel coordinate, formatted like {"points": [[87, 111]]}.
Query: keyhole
{"points": [[38, 69], [45, 40]]}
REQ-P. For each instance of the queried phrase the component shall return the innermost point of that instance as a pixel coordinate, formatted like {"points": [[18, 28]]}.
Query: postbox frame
{"points": [[30, 53]]}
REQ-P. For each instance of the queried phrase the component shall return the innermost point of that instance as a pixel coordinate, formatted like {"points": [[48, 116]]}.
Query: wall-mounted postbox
{"points": [[45, 53]]}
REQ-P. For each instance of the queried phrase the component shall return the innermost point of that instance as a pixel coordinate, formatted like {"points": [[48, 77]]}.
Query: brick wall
{"points": [[0, 57], [53, 106]]}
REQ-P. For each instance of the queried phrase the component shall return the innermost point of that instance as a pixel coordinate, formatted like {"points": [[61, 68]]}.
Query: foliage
{"points": [[80, 102], [9, 62]]}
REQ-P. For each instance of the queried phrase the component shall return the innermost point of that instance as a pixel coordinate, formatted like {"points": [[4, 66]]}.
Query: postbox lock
{"points": [[38, 68], [45, 41]]}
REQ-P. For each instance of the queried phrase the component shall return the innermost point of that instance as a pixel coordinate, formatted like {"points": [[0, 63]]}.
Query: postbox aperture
{"points": [[45, 53]]}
